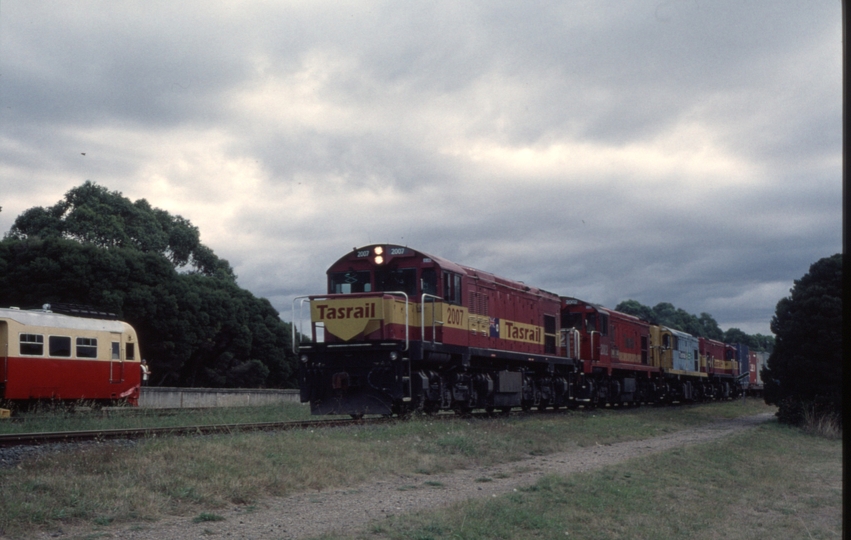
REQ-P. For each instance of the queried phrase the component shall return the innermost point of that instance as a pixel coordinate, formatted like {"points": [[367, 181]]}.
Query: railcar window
{"points": [[130, 352], [399, 279], [32, 344], [59, 346], [87, 347], [116, 351], [429, 281], [349, 282]]}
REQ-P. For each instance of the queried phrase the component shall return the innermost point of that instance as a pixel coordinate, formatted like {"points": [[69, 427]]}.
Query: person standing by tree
{"points": [[146, 372]]}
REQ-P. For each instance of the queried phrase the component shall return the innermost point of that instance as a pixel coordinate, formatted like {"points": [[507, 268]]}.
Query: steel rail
{"points": [[32, 439]]}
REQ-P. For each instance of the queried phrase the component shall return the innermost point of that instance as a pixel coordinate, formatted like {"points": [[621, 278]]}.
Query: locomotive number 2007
{"points": [[454, 316]]}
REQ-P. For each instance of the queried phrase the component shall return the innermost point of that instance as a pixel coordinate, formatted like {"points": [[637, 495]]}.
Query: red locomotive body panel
{"points": [[608, 339], [713, 356]]}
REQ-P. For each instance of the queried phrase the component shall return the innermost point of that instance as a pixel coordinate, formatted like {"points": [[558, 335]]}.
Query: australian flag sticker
{"points": [[494, 327]]}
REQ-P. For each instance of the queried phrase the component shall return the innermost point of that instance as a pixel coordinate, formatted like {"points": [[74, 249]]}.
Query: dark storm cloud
{"points": [[681, 151]]}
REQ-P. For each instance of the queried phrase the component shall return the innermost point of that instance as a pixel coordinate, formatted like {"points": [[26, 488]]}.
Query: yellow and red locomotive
{"points": [[52, 356], [402, 330]]}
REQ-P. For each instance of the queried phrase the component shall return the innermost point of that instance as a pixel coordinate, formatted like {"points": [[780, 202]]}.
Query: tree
{"points": [[91, 214], [196, 326], [666, 314], [637, 309], [804, 373]]}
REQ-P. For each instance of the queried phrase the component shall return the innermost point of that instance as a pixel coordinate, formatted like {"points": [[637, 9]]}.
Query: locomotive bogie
{"points": [[51, 356]]}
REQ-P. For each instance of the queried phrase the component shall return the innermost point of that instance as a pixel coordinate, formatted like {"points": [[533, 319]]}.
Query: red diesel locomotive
{"points": [[51, 356], [401, 330]]}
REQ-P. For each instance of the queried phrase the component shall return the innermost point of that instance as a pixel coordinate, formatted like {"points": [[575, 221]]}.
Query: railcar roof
{"points": [[57, 320]]}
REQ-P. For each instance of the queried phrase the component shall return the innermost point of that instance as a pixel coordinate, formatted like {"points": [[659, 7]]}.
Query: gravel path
{"points": [[312, 514]]}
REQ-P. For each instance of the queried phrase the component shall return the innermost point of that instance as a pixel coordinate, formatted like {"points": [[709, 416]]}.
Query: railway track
{"points": [[34, 439]]}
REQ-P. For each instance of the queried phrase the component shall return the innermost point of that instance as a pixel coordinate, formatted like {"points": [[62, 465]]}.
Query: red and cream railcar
{"points": [[401, 329], [51, 356]]}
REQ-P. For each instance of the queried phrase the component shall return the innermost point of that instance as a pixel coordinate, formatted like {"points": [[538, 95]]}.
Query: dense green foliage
{"points": [[197, 327], [804, 373], [666, 314]]}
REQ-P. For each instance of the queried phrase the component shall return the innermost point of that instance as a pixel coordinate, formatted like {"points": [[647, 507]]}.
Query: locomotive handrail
{"points": [[297, 322], [577, 336], [591, 336], [407, 326], [432, 298]]}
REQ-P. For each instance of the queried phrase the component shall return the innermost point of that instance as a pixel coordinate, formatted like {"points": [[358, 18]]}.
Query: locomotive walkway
{"points": [[347, 509]]}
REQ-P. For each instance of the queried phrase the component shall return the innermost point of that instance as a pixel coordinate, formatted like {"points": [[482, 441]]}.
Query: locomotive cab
{"points": [[382, 301]]}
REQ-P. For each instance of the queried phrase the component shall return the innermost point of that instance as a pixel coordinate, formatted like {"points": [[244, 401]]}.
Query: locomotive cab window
{"points": [[130, 351], [59, 346], [452, 288], [398, 279], [429, 281], [32, 344], [591, 322], [87, 347], [571, 320], [349, 282]]}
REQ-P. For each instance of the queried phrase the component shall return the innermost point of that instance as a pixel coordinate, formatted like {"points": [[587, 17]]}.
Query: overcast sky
{"points": [[666, 151]]}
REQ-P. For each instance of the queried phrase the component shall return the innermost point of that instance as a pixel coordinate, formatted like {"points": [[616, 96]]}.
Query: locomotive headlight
{"points": [[379, 250], [304, 358], [379, 259], [394, 356]]}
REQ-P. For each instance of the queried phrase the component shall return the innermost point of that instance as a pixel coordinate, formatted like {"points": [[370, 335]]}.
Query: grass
{"points": [[194, 475], [47, 419], [773, 482]]}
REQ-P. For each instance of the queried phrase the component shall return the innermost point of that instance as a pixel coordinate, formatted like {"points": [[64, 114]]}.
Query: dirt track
{"points": [[312, 514]]}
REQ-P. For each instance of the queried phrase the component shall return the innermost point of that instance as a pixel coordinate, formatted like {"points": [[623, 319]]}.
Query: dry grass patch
{"points": [[113, 484], [773, 482]]}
